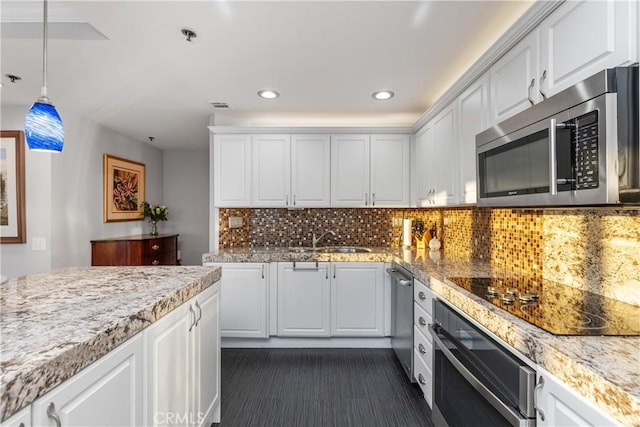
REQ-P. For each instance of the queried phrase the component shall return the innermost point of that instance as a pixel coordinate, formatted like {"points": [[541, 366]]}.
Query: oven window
{"points": [[457, 401]]}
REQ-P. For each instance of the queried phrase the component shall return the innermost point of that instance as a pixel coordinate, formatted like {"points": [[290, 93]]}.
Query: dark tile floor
{"points": [[318, 387]]}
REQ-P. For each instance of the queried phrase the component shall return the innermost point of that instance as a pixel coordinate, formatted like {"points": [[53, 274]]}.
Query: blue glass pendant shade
{"points": [[43, 128]]}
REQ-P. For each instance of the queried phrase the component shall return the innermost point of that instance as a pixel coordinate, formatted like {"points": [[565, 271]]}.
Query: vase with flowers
{"points": [[155, 213]]}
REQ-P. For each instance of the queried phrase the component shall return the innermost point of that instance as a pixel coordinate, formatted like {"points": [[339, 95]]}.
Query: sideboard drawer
{"points": [[136, 250], [153, 247]]}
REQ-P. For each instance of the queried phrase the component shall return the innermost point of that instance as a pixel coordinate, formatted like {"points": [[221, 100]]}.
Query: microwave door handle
{"points": [[510, 415], [553, 164]]}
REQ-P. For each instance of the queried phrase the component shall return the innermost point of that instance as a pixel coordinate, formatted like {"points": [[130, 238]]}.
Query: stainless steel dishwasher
{"points": [[402, 316]]}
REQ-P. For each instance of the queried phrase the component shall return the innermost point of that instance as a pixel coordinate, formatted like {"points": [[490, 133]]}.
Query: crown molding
{"points": [[521, 28], [308, 129]]}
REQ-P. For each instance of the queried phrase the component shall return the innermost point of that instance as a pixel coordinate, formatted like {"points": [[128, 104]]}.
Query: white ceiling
{"points": [[324, 57]]}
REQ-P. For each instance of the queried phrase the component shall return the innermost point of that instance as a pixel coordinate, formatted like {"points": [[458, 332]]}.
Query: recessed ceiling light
{"points": [[382, 95], [268, 94]]}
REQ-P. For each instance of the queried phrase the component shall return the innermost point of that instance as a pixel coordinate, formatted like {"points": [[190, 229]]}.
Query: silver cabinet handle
{"points": [[193, 317], [51, 413], [199, 313], [543, 77], [373, 199], [294, 200], [533, 82], [421, 295], [366, 199], [334, 271], [422, 321], [536, 390], [286, 203], [263, 271], [421, 349], [421, 379], [326, 273], [316, 268], [553, 166]]}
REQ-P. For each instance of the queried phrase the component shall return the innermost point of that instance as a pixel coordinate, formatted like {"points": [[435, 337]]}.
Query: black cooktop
{"points": [[556, 308]]}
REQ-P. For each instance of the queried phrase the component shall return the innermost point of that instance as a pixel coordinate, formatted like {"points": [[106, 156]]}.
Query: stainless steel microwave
{"points": [[578, 147]]}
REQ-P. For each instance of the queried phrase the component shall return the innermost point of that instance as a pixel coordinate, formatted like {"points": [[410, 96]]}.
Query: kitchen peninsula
{"points": [[102, 337]]}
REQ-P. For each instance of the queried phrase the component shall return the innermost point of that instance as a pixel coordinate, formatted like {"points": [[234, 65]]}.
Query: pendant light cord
{"points": [[45, 37]]}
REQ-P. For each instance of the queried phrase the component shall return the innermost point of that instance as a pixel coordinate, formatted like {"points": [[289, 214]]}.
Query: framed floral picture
{"points": [[13, 224], [123, 189]]}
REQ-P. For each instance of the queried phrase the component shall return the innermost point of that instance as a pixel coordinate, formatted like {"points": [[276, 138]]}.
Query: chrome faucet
{"points": [[314, 241]]}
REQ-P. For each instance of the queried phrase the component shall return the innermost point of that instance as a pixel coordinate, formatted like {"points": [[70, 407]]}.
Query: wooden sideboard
{"points": [[144, 249]]}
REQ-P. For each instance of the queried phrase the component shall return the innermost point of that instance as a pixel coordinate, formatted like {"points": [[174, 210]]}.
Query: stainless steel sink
{"points": [[343, 250]]}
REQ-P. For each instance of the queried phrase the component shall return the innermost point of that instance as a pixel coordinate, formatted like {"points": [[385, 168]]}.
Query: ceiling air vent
{"points": [[219, 105]]}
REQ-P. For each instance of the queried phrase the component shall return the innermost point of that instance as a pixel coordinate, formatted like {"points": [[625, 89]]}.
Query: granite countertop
{"points": [[55, 324], [605, 370]]}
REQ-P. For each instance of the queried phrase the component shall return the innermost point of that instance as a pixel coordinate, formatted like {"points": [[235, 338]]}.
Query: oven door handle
{"points": [[513, 417]]}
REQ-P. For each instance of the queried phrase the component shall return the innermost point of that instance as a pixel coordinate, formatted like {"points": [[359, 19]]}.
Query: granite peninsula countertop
{"points": [[605, 370], [54, 324]]}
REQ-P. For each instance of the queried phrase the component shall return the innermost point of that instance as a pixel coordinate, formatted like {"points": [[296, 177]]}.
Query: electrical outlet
{"points": [[445, 221], [235, 221], [396, 221]]}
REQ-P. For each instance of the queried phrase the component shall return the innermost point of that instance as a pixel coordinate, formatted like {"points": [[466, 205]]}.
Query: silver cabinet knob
{"points": [[421, 349], [155, 262], [421, 295], [155, 247], [422, 321], [51, 413], [421, 379]]}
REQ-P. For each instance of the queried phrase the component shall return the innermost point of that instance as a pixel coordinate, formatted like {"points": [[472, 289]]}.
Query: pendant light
{"points": [[43, 126]]}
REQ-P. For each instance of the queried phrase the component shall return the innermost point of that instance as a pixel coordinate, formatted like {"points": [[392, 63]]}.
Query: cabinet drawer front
{"points": [[423, 347], [424, 377], [159, 246], [421, 319], [423, 296], [167, 258]]}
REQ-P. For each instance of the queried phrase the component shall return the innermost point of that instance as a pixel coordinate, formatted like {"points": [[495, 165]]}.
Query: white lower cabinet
{"points": [[304, 299], [22, 418], [106, 393], [357, 299], [244, 293], [561, 406], [183, 364], [422, 341]]}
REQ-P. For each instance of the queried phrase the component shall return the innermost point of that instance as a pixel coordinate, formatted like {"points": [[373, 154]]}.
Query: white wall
{"points": [[64, 194], [186, 193]]}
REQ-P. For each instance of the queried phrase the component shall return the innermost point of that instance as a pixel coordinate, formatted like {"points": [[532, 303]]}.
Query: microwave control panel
{"points": [[586, 160]]}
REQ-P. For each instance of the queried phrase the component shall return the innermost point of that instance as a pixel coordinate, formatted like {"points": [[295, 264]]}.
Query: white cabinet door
{"points": [[581, 38], [445, 162], [232, 170], [514, 80], [350, 170], [107, 392], [169, 368], [310, 170], [22, 418], [389, 183], [271, 170], [562, 406], [206, 358], [473, 117], [425, 153], [357, 299], [303, 299], [244, 293]]}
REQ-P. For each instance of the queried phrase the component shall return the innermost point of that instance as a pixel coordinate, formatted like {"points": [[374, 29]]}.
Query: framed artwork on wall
{"points": [[13, 224], [124, 188]]}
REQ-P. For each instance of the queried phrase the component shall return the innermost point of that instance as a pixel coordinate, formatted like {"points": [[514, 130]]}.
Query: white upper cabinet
{"points": [[425, 151], [271, 170], [350, 171], [232, 170], [581, 38], [389, 184], [310, 170], [473, 117], [513, 79], [446, 160]]}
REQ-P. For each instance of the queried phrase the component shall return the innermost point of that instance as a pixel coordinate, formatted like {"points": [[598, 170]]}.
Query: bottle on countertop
{"points": [[434, 243]]}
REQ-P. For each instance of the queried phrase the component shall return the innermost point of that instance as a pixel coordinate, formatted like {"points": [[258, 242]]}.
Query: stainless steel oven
{"points": [[476, 381], [579, 147]]}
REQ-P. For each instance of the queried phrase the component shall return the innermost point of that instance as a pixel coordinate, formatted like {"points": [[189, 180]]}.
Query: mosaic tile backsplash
{"points": [[597, 249]]}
